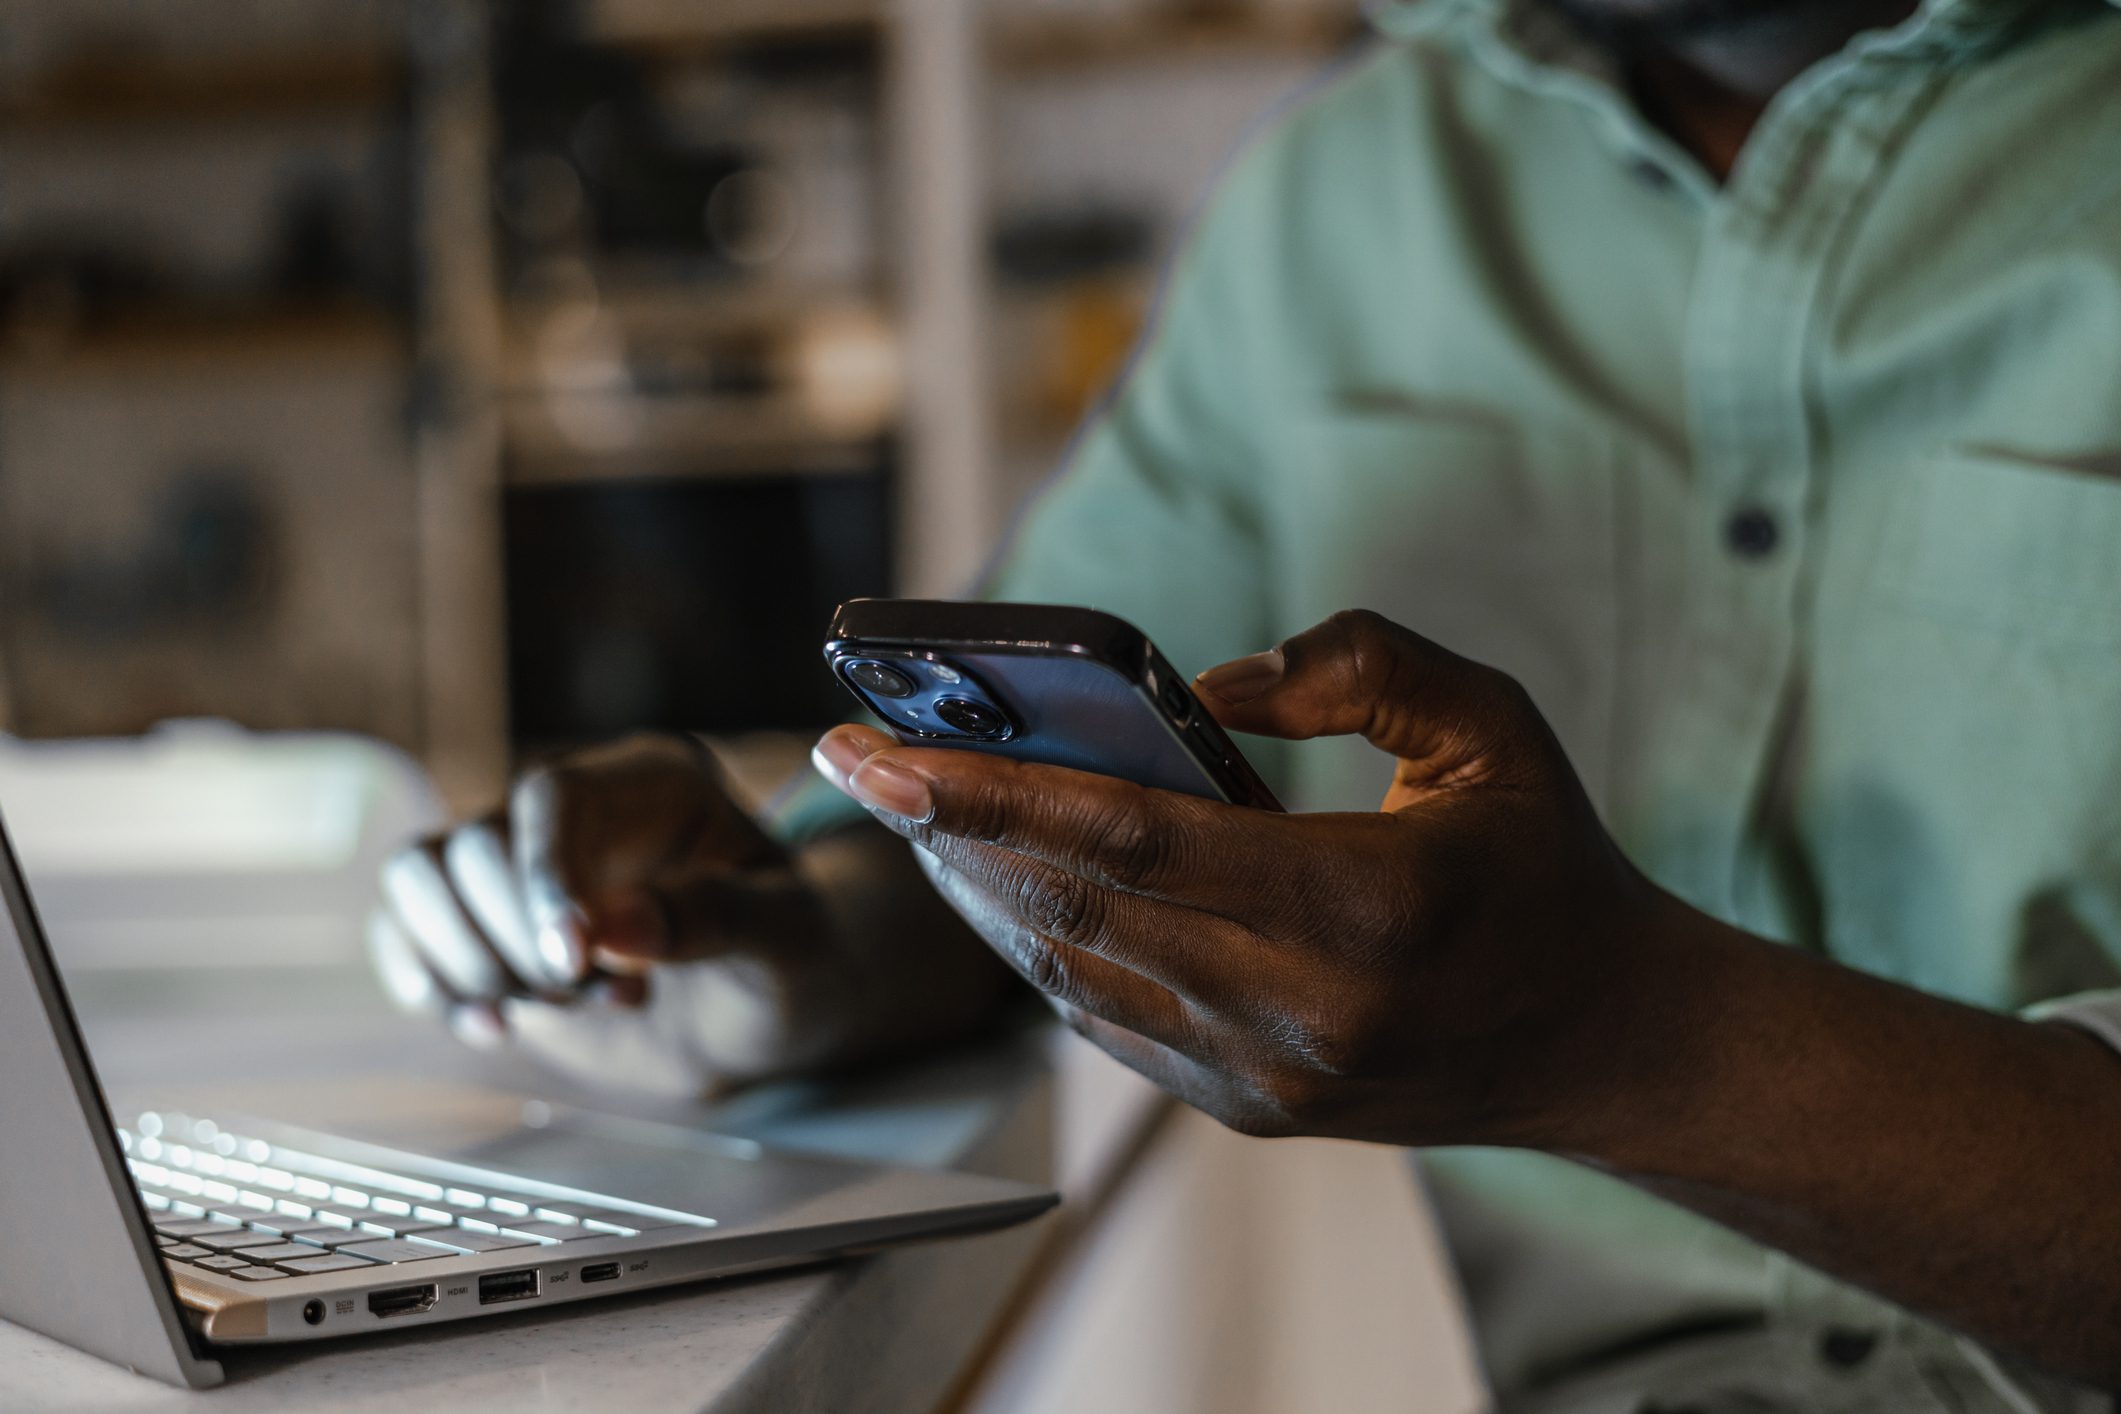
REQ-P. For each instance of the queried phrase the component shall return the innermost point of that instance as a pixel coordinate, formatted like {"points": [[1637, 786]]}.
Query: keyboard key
{"points": [[236, 1241], [185, 1251], [256, 1273], [397, 1250], [464, 1241], [590, 1212], [156, 1202], [380, 1226], [328, 1237], [510, 1207], [190, 1227], [279, 1250], [328, 1262], [610, 1229], [549, 1232], [447, 1212], [340, 1217], [220, 1264]]}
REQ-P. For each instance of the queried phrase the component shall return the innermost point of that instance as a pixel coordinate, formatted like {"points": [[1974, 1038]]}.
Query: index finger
{"points": [[1119, 835]]}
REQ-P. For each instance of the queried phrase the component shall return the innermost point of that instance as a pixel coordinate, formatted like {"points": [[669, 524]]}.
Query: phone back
{"points": [[1077, 712], [1056, 684]]}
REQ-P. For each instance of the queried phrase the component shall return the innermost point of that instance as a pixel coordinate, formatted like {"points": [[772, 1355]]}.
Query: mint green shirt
{"points": [[1794, 502]]}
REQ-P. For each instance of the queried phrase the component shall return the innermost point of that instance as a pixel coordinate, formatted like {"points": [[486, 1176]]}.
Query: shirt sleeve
{"points": [[1155, 513]]}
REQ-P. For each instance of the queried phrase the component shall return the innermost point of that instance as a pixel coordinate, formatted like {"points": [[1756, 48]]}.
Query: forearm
{"points": [[1963, 1164]]}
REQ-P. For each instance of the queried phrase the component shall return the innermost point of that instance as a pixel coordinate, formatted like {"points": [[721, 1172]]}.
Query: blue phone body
{"points": [[1077, 687]]}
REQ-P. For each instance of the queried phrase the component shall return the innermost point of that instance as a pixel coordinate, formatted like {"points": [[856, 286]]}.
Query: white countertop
{"points": [[893, 1331]]}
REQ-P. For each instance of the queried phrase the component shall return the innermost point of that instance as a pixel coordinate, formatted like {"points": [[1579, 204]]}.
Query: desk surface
{"points": [[888, 1332]]}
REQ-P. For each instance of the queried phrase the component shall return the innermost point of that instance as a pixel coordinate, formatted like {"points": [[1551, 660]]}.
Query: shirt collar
{"points": [[1529, 43], [1944, 27]]}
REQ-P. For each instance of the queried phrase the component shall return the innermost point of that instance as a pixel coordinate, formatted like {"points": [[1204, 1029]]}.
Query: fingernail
{"points": [[561, 948], [892, 788], [1242, 679], [628, 923], [837, 755], [478, 1027]]}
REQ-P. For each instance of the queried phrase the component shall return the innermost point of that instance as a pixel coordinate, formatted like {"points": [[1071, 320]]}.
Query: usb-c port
{"points": [[601, 1271]]}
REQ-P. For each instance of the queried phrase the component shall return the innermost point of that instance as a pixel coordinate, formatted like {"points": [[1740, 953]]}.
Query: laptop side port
{"points": [[401, 1301], [508, 1286], [600, 1271]]}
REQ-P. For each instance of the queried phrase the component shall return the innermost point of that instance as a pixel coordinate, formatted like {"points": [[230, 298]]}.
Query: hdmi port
{"points": [[508, 1286], [401, 1301]]}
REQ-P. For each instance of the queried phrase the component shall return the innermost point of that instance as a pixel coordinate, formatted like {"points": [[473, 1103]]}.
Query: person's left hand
{"points": [[1473, 964]]}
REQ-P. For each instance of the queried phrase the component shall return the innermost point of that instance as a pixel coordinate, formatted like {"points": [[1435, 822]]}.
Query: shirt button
{"points": [[1844, 1348], [1651, 173], [1752, 533]]}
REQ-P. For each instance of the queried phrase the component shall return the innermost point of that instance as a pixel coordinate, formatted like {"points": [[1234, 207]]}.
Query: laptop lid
{"points": [[79, 1260]]}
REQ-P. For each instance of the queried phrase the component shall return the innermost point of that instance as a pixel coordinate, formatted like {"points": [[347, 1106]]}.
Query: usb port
{"points": [[601, 1271], [401, 1301], [508, 1286]]}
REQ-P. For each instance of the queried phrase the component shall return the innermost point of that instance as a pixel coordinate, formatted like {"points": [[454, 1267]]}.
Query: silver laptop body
{"points": [[153, 1237]]}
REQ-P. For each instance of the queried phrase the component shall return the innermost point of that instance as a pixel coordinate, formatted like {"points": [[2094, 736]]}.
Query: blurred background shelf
{"points": [[147, 339], [676, 26], [110, 89], [1035, 39], [486, 377]]}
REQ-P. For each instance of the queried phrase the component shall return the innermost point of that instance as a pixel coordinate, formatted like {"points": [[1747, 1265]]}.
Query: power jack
{"points": [[313, 1312]]}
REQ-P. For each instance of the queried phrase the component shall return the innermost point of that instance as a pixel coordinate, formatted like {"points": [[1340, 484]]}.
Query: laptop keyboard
{"points": [[244, 1208]]}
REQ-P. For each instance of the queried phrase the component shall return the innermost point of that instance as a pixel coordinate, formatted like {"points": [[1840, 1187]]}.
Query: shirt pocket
{"points": [[1496, 540], [2008, 547]]}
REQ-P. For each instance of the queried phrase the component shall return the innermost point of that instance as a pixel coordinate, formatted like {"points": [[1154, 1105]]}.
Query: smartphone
{"points": [[1037, 682]]}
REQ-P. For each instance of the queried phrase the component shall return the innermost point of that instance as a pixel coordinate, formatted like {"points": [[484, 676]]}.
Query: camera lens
{"points": [[971, 718], [882, 680]]}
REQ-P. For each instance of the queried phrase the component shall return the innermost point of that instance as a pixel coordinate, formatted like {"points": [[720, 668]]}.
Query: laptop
{"points": [[153, 1237]]}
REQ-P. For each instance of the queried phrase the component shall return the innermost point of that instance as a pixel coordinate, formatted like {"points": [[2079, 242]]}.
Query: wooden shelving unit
{"points": [[487, 418], [672, 25], [1032, 42], [115, 91]]}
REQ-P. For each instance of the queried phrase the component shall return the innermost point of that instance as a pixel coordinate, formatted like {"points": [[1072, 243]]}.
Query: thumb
{"points": [[1447, 718]]}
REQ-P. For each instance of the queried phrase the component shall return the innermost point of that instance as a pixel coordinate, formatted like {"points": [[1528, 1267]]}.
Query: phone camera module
{"points": [[880, 678], [975, 719]]}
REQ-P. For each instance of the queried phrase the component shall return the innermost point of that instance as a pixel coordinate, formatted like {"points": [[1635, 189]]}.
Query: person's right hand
{"points": [[625, 920]]}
